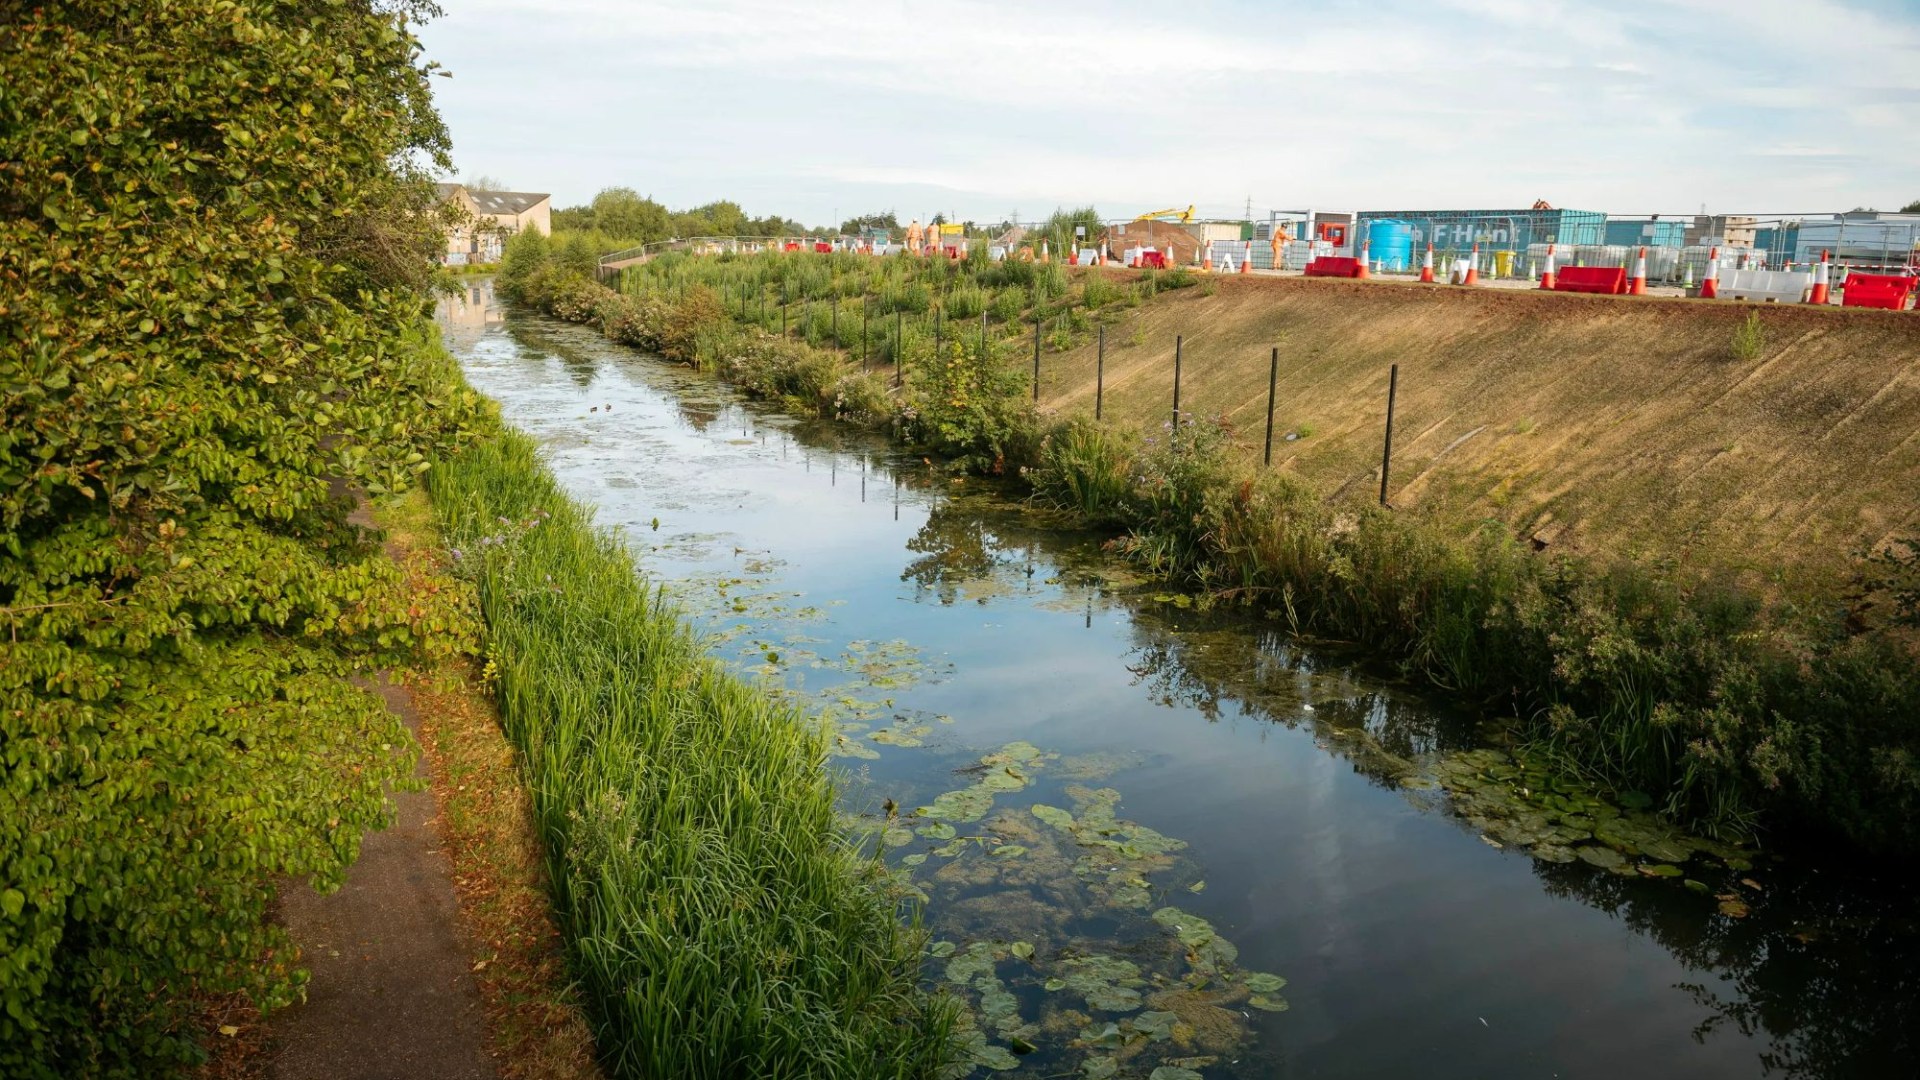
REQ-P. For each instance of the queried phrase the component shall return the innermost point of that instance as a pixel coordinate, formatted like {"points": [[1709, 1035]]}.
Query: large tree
{"points": [[624, 213]]}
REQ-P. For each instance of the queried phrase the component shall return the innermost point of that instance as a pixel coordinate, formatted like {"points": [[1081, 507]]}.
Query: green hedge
{"points": [[212, 282]]}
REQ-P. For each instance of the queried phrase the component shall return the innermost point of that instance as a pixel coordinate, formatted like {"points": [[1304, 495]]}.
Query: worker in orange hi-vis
{"points": [[1279, 241], [915, 236]]}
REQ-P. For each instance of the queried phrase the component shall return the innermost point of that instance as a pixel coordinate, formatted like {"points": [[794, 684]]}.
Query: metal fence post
{"points": [[1036, 357], [1273, 379], [1176, 384], [1386, 452], [1100, 372], [899, 351]]}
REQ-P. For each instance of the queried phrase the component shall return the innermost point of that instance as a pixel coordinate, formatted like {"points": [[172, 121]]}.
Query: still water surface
{"points": [[1237, 867]]}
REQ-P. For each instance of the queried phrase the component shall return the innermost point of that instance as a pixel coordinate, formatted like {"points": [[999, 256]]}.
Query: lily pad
{"points": [[1099, 1068], [1008, 851], [1156, 1026], [941, 949], [1196, 886], [1105, 1037], [915, 859], [1269, 1002], [1053, 815], [1262, 983], [1173, 1072], [939, 830], [964, 805], [1005, 778], [1021, 949], [1603, 857], [896, 836], [998, 1004], [1662, 870]]}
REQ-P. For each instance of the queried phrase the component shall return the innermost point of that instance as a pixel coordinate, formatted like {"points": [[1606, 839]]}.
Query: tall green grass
{"points": [[1726, 711], [719, 921]]}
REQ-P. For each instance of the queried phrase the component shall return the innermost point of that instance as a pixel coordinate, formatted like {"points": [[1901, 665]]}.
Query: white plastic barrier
{"points": [[1779, 286], [1298, 253]]}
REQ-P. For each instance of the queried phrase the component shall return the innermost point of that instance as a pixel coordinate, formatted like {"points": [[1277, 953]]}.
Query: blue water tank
{"points": [[1390, 243]]}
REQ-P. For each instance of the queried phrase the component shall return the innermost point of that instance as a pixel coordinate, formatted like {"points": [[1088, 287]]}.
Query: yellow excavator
{"points": [[1185, 216]]}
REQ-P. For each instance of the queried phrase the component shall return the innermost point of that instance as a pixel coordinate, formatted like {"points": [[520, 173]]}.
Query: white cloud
{"points": [[978, 106]]}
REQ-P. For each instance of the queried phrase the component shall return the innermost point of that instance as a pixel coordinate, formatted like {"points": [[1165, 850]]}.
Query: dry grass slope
{"points": [[1593, 423]]}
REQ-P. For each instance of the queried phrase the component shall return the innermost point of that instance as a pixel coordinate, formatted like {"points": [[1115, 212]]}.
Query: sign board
{"points": [[1080, 231]]}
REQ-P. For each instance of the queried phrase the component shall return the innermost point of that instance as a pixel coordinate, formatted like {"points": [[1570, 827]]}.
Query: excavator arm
{"points": [[1186, 216]]}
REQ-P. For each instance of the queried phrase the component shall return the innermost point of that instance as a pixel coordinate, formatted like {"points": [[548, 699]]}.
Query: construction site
{"points": [[1861, 258]]}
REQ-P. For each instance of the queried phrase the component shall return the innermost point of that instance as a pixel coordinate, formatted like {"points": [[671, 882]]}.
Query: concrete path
{"points": [[393, 994]]}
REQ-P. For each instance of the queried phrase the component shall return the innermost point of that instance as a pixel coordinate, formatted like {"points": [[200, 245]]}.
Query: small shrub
{"points": [[1098, 291], [1749, 338], [1086, 467]]}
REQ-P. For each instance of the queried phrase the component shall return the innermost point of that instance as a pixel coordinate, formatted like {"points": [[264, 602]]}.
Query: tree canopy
{"points": [[216, 241], [623, 214]]}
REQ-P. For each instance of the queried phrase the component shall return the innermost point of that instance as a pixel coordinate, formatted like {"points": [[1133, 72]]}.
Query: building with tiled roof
{"points": [[493, 216]]}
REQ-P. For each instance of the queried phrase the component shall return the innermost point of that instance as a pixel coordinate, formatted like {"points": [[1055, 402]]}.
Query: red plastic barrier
{"points": [[1606, 280], [1333, 266], [1155, 259], [822, 246], [791, 246], [1889, 292]]}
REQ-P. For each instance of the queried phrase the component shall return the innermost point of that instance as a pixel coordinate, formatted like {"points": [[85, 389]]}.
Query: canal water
{"points": [[1154, 839]]}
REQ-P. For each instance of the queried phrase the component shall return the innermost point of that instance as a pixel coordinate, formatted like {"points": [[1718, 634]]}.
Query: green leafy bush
{"points": [[214, 256]]}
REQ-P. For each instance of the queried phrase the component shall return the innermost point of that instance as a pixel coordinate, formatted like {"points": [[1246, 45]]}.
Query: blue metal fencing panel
{"points": [[1642, 232], [1506, 230]]}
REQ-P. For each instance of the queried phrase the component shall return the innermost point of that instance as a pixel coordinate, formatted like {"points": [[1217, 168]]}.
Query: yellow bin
{"points": [[1503, 264]]}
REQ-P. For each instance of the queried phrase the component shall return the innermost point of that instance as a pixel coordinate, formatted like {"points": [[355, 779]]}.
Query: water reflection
{"points": [[1262, 783]]}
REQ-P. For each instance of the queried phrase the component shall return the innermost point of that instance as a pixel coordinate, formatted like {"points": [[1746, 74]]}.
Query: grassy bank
{"points": [[718, 920], [1731, 707]]}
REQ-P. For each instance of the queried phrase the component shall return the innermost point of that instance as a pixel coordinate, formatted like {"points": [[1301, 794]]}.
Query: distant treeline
{"points": [[626, 214]]}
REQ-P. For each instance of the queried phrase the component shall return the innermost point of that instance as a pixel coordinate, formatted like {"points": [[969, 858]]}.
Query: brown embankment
{"points": [[1591, 423]]}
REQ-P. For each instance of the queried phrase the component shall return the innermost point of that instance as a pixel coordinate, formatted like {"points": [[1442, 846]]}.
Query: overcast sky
{"points": [[820, 110]]}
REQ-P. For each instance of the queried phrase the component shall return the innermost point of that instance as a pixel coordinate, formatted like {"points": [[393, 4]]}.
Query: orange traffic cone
{"points": [[1637, 285], [1246, 259], [1426, 266], [1043, 251], [1366, 256], [1547, 275], [1473, 267], [1710, 280], [1821, 282]]}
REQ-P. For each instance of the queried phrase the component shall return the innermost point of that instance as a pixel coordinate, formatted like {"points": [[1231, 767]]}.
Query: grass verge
{"points": [[720, 922]]}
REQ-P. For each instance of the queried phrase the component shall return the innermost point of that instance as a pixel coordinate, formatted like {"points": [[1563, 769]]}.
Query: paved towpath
{"points": [[393, 994]]}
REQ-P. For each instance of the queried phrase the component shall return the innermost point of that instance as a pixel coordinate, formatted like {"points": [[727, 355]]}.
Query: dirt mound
{"points": [[1587, 422]]}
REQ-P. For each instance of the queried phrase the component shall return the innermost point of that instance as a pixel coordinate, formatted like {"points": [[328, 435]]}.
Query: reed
{"points": [[719, 921]]}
